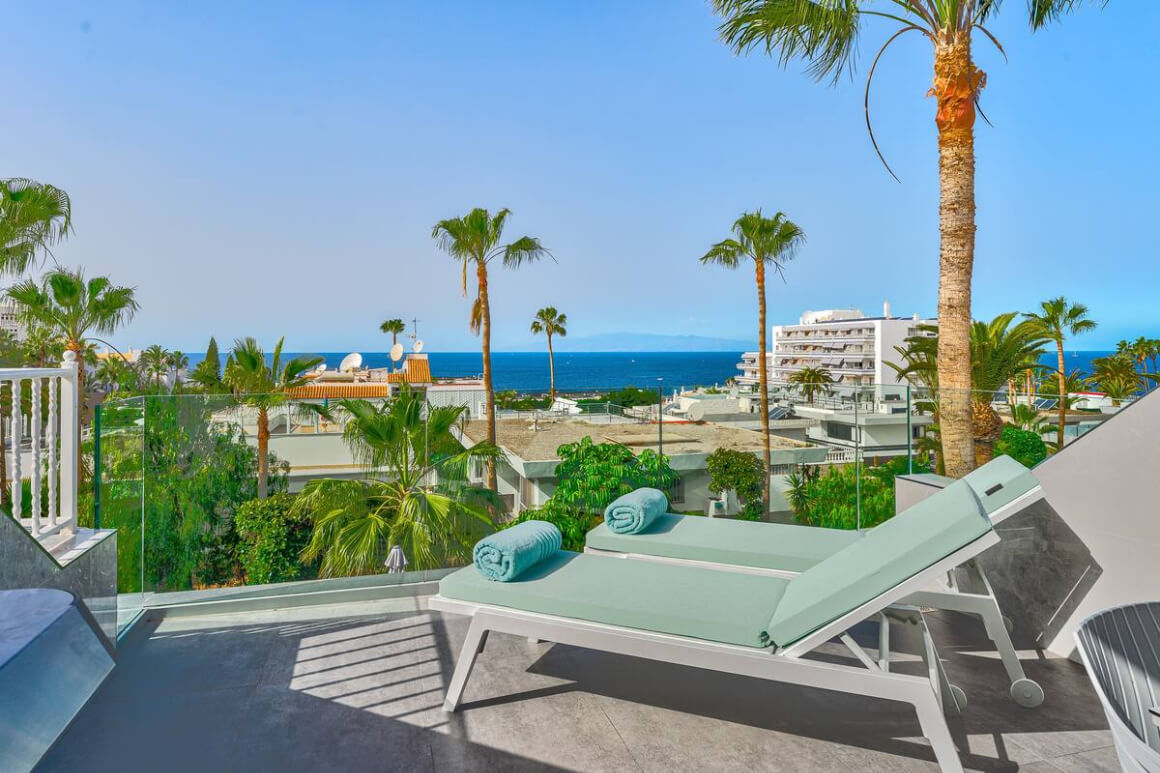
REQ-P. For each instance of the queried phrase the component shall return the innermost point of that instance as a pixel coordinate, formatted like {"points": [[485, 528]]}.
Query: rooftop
{"points": [[358, 686], [538, 441]]}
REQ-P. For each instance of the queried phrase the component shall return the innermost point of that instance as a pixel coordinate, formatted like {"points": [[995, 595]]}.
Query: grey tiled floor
{"points": [[359, 687]]}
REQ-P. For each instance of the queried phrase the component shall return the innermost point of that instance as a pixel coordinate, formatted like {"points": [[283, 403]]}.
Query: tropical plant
{"points": [[115, 374], [740, 472], [70, 308], [393, 327], [1116, 376], [1027, 418], [33, 217], [414, 493], [1059, 318], [846, 497], [179, 363], [824, 34], [272, 534], [263, 385], [550, 323], [154, 362], [770, 242], [475, 241], [812, 382], [1000, 350]]}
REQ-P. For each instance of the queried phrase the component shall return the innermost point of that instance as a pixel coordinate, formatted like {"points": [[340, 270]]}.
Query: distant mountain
{"points": [[637, 342]]}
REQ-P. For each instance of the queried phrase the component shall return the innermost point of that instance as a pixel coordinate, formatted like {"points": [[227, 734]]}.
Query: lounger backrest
{"points": [[1122, 649], [1000, 482], [888, 555]]}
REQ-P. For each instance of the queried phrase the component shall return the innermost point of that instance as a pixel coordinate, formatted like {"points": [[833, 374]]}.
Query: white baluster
{"points": [[70, 437], [34, 481], [53, 437], [17, 503]]}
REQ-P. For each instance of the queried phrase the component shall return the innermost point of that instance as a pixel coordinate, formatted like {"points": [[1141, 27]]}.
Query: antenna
{"points": [[414, 329]]}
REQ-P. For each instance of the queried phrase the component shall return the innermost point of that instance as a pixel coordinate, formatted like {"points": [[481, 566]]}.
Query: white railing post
{"points": [[53, 436], [70, 437], [17, 442], [34, 480]]}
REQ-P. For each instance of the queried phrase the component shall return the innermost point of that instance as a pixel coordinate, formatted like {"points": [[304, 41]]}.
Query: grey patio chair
{"points": [[1121, 649]]}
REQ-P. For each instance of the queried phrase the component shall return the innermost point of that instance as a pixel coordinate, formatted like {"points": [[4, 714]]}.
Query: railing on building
{"points": [[46, 427]]}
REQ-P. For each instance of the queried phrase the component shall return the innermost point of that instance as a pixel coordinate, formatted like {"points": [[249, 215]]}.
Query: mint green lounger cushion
{"points": [[886, 556], [682, 600], [1001, 481], [786, 547]]}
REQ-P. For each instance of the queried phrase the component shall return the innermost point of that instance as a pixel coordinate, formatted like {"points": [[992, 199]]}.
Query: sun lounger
{"points": [[1003, 486], [1120, 648], [756, 625]]}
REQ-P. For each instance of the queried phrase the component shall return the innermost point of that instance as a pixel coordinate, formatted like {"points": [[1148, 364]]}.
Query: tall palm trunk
{"points": [[1062, 393], [763, 381], [263, 451], [956, 84], [551, 372], [485, 333]]}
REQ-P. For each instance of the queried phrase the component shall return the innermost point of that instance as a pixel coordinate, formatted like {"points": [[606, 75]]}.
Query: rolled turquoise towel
{"points": [[505, 554], [633, 512]]}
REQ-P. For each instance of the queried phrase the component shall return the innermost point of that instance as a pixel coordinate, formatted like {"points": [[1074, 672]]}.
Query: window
{"points": [[838, 431]]}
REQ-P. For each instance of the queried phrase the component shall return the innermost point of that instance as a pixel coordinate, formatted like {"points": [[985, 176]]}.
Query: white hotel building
{"points": [[853, 347]]}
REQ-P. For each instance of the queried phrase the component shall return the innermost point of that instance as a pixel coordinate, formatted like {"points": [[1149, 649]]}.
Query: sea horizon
{"points": [[527, 371]]}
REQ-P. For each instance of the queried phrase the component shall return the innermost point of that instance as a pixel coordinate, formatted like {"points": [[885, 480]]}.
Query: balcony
{"points": [[358, 686]]}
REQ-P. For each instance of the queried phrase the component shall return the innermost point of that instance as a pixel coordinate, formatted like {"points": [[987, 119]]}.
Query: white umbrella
{"points": [[396, 561]]}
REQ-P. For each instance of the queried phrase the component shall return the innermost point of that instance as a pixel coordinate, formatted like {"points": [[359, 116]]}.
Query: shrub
{"points": [[271, 535], [830, 500], [1024, 446], [741, 472]]}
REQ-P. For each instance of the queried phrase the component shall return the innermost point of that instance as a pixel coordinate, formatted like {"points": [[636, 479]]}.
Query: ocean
{"points": [[601, 371]]}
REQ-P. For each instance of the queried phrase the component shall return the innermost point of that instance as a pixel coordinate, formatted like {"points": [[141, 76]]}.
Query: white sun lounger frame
{"points": [[977, 598], [925, 694]]}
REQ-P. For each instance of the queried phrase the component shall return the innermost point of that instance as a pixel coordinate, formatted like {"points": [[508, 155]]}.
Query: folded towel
{"points": [[633, 512], [505, 554]]}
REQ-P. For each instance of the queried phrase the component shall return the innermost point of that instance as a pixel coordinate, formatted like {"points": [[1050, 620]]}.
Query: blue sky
{"points": [[275, 168]]}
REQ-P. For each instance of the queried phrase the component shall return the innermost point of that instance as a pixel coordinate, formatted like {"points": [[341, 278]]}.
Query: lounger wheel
{"points": [[1026, 693], [959, 696]]}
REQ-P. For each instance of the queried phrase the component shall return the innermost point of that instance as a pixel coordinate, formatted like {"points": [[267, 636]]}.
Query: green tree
{"points": [[1057, 319], [208, 373], [1116, 376], [179, 363], [33, 217], [393, 327], [740, 472], [154, 362], [590, 476], [415, 491], [550, 322], [825, 35], [475, 241], [272, 534], [263, 385], [770, 242], [812, 382]]}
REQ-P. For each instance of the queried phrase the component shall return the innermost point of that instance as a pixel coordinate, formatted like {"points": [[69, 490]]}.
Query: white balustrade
{"points": [[44, 428]]}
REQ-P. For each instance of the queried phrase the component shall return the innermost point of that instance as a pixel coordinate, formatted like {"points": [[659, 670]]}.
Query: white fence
{"points": [[43, 444]]}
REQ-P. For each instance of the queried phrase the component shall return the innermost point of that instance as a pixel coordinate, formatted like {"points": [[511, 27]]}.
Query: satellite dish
{"points": [[397, 352], [418, 347], [322, 368], [350, 362]]}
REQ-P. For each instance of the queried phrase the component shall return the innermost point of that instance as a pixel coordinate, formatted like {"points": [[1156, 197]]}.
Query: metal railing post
{"points": [[70, 435], [97, 466]]}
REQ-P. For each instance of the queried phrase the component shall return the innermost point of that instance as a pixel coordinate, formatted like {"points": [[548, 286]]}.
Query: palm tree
{"points": [[824, 33], [154, 361], [474, 240], [414, 492], [393, 327], [179, 362], [72, 308], [768, 242], [1026, 417], [551, 323], [812, 382], [33, 217], [263, 385], [1058, 318]]}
